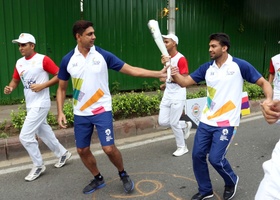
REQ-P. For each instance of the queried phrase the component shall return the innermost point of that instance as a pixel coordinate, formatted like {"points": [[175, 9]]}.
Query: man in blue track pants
{"points": [[224, 76]]}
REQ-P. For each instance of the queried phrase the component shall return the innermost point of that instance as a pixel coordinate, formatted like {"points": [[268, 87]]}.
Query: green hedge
{"points": [[124, 106]]}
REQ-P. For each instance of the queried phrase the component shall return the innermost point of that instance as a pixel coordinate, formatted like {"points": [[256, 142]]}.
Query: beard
{"points": [[215, 56]]}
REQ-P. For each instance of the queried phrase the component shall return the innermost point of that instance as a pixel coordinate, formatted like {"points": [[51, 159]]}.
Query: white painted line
{"points": [[121, 144]]}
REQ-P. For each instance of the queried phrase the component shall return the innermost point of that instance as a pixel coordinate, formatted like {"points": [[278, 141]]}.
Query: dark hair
{"points": [[80, 27], [222, 38]]}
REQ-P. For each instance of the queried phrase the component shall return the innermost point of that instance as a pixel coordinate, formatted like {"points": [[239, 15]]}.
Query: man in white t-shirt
{"points": [[87, 67], [224, 77], [33, 71], [174, 98], [274, 76], [269, 188]]}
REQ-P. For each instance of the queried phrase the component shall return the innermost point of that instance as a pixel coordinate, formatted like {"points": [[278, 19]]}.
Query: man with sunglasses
{"points": [[33, 71]]}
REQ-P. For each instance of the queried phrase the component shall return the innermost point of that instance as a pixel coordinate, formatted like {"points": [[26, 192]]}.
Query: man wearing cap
{"points": [[270, 186], [174, 97], [33, 71], [274, 76]]}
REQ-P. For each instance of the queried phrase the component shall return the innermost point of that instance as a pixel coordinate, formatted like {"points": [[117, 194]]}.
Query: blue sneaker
{"points": [[94, 185], [128, 184]]}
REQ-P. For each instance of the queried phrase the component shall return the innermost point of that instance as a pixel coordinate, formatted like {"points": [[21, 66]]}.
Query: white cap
{"points": [[25, 38], [172, 36]]}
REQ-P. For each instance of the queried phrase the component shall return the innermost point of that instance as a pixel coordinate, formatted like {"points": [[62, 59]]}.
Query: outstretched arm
{"points": [[182, 80], [141, 72], [271, 111], [266, 87]]}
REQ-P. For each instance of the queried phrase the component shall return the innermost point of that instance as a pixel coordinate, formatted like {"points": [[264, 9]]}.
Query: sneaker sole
{"points": [[129, 191], [29, 180], [99, 187], [180, 154], [208, 197], [234, 188], [66, 159]]}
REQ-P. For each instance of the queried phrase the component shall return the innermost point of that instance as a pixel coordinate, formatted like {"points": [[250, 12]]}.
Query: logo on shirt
{"points": [[230, 72], [95, 62], [75, 65], [26, 82], [278, 75], [224, 135], [108, 135]]}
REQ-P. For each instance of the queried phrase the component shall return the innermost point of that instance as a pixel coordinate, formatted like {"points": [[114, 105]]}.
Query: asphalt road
{"points": [[149, 161]]}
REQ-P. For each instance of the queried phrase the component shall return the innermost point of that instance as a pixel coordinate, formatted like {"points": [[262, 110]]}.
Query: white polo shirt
{"points": [[91, 94], [224, 90]]}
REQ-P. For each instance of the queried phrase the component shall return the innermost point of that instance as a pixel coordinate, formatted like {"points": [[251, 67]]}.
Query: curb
{"points": [[11, 148]]}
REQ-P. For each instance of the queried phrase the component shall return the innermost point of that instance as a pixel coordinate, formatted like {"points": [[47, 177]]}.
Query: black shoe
{"points": [[199, 196], [128, 184], [94, 185], [230, 190]]}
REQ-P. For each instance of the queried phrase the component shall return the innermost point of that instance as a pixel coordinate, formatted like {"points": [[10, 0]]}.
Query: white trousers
{"points": [[36, 124], [169, 116], [269, 188]]}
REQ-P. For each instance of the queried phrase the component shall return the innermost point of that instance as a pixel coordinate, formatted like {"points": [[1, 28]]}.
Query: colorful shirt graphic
{"points": [[91, 94], [224, 90]]}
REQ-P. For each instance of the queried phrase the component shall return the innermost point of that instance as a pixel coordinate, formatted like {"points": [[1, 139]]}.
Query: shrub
{"points": [[201, 93], [3, 133], [19, 116], [132, 104], [125, 105], [254, 91], [68, 112]]}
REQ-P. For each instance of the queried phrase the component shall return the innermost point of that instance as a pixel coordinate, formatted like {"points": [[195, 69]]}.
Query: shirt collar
{"points": [[77, 52], [229, 60]]}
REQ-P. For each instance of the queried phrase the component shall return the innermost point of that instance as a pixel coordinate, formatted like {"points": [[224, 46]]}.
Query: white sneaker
{"points": [[187, 130], [63, 159], [180, 151], [35, 173]]}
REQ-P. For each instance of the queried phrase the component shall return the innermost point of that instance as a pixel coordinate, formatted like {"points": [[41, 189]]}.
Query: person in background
{"points": [[269, 188], [87, 65], [224, 76], [33, 71], [174, 98], [274, 76]]}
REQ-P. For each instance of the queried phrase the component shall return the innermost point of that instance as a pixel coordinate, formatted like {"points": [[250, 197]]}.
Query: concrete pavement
{"points": [[11, 148], [149, 161]]}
